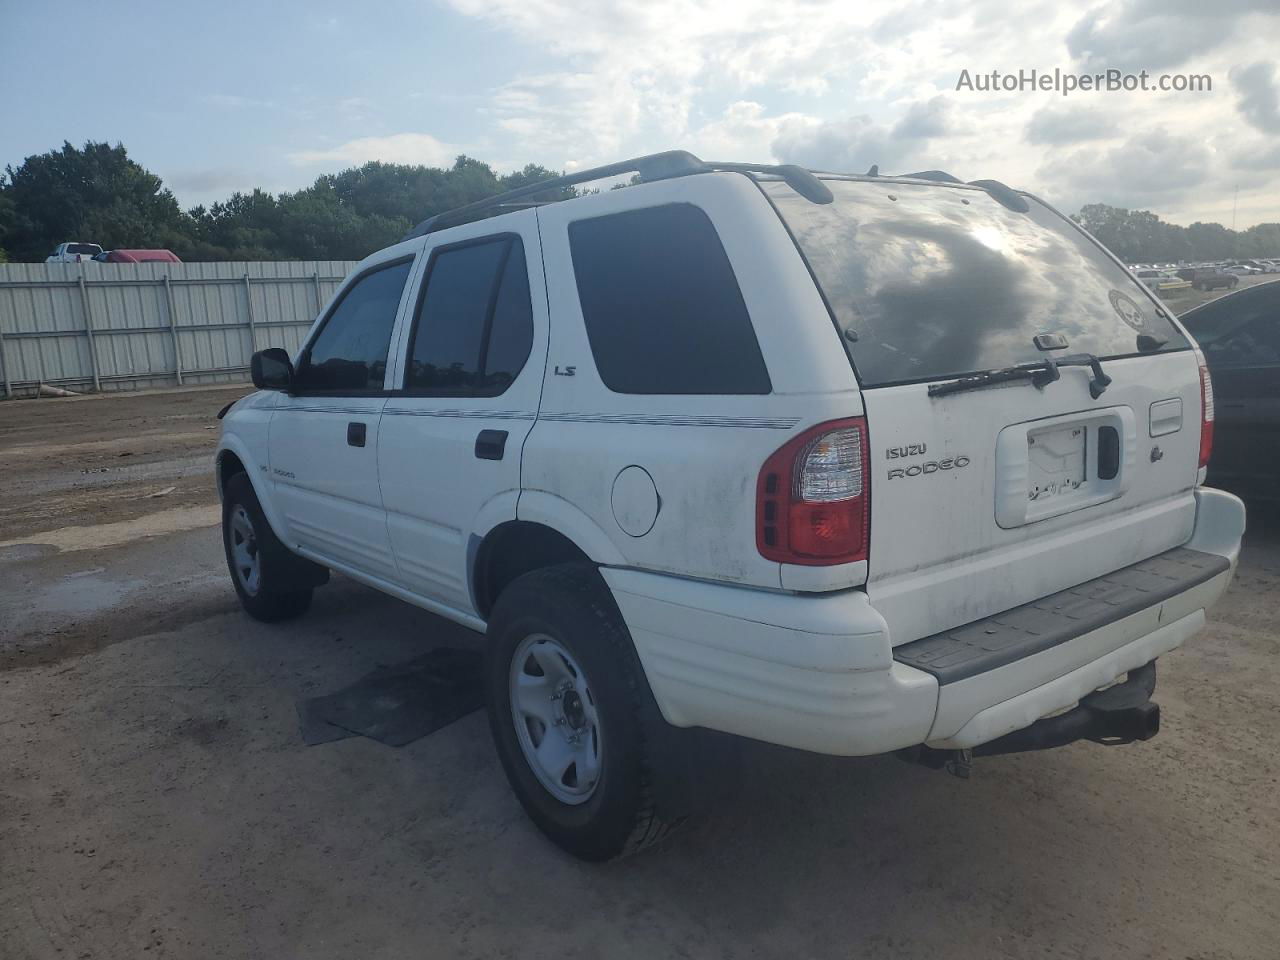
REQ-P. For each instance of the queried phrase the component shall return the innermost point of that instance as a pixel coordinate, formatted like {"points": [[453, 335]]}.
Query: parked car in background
{"points": [[137, 256], [1161, 281], [73, 252], [1149, 278], [1208, 278], [1241, 269], [1239, 335]]}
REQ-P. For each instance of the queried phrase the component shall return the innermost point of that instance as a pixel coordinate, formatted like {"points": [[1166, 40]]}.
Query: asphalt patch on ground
{"points": [[398, 704]]}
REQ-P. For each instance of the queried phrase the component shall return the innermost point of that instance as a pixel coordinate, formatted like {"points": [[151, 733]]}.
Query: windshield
{"points": [[88, 249], [931, 282]]}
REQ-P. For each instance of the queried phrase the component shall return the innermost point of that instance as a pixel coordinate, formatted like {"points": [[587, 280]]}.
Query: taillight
{"points": [[813, 498], [1206, 415]]}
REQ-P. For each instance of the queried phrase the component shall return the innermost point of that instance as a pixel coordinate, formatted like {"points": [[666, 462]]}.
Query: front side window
{"points": [[662, 307], [474, 327], [349, 354]]}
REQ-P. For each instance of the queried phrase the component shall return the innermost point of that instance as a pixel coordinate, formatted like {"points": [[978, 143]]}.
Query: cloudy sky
{"points": [[234, 95]]}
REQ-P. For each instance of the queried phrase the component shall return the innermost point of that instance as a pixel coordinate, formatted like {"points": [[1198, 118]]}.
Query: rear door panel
{"points": [[450, 465]]}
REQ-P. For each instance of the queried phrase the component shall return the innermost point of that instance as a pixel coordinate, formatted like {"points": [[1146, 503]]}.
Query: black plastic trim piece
{"points": [[1042, 624], [1003, 195]]}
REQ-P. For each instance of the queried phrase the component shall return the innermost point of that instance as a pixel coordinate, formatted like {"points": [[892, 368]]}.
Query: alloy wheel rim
{"points": [[556, 720], [243, 543]]}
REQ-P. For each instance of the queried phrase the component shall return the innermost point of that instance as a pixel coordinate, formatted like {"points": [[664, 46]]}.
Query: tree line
{"points": [[1139, 236], [97, 194]]}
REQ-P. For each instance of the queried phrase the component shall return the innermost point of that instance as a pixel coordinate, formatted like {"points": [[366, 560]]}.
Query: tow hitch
{"points": [[1122, 713]]}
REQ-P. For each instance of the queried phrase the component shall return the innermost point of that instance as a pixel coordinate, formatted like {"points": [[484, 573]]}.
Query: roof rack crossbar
{"points": [[654, 166]]}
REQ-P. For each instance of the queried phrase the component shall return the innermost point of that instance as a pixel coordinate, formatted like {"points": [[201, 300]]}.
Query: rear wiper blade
{"points": [[1041, 373]]}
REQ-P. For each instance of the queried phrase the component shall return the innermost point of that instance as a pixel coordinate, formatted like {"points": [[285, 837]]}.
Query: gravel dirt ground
{"points": [[156, 799]]}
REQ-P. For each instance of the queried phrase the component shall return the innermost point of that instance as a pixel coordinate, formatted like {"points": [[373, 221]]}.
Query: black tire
{"points": [[572, 606], [274, 594]]}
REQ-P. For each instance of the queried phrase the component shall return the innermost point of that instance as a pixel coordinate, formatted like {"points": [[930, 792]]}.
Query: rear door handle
{"points": [[356, 434], [491, 444]]}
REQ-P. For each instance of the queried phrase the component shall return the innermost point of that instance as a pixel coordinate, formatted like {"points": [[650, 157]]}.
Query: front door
{"points": [[325, 435], [467, 395]]}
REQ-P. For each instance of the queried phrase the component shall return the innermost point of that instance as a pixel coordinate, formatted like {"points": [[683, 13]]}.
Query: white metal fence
{"points": [[124, 326]]}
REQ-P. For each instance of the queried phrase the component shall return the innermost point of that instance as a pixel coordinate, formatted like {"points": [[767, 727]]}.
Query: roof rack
{"points": [[940, 175], [1003, 194], [654, 166]]}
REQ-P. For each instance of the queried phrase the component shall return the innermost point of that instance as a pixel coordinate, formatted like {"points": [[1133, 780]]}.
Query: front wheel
{"points": [[257, 561], [565, 694]]}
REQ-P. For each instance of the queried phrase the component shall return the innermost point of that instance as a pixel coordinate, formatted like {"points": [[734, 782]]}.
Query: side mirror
{"points": [[271, 369]]}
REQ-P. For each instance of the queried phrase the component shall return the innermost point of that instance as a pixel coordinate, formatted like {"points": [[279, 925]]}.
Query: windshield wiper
{"points": [[1041, 373]]}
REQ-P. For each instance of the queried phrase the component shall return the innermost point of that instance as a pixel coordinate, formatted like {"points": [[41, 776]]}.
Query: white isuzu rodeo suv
{"points": [[852, 464]]}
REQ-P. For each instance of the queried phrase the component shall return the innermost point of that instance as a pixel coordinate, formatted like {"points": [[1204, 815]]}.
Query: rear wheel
{"points": [[565, 694], [258, 562]]}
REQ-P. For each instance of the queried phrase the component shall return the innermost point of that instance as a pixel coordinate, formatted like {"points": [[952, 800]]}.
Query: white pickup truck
{"points": [[853, 464], [73, 252]]}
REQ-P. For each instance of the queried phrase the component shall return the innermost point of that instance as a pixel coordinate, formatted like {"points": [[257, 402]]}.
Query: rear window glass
{"points": [[932, 282], [84, 248], [661, 304]]}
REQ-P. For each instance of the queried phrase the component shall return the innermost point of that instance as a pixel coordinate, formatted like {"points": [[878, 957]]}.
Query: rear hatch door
{"points": [[999, 487]]}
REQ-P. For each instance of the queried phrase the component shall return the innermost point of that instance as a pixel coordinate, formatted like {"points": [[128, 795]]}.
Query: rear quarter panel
{"points": [[703, 453]]}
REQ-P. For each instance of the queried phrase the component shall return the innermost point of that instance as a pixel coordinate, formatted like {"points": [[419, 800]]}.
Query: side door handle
{"points": [[356, 434], [491, 444]]}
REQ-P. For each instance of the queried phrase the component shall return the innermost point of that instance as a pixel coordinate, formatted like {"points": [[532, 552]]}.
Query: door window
{"points": [[474, 327], [349, 354]]}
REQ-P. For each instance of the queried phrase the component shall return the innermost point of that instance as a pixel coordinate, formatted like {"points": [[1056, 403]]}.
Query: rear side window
{"points": [[349, 354], [661, 304], [474, 327], [929, 282]]}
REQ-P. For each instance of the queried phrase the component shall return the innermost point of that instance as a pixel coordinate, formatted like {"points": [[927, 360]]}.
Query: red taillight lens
{"points": [[1206, 415], [813, 498]]}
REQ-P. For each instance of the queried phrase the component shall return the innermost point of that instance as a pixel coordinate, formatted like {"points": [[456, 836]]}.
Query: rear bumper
{"points": [[818, 672]]}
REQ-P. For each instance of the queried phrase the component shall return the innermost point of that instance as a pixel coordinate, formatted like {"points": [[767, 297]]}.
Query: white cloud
{"points": [[1151, 166], [842, 86], [1062, 124], [396, 148], [1259, 95], [745, 132], [1156, 34]]}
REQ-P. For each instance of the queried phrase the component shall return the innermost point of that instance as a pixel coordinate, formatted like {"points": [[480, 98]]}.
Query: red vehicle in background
{"points": [[137, 256]]}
